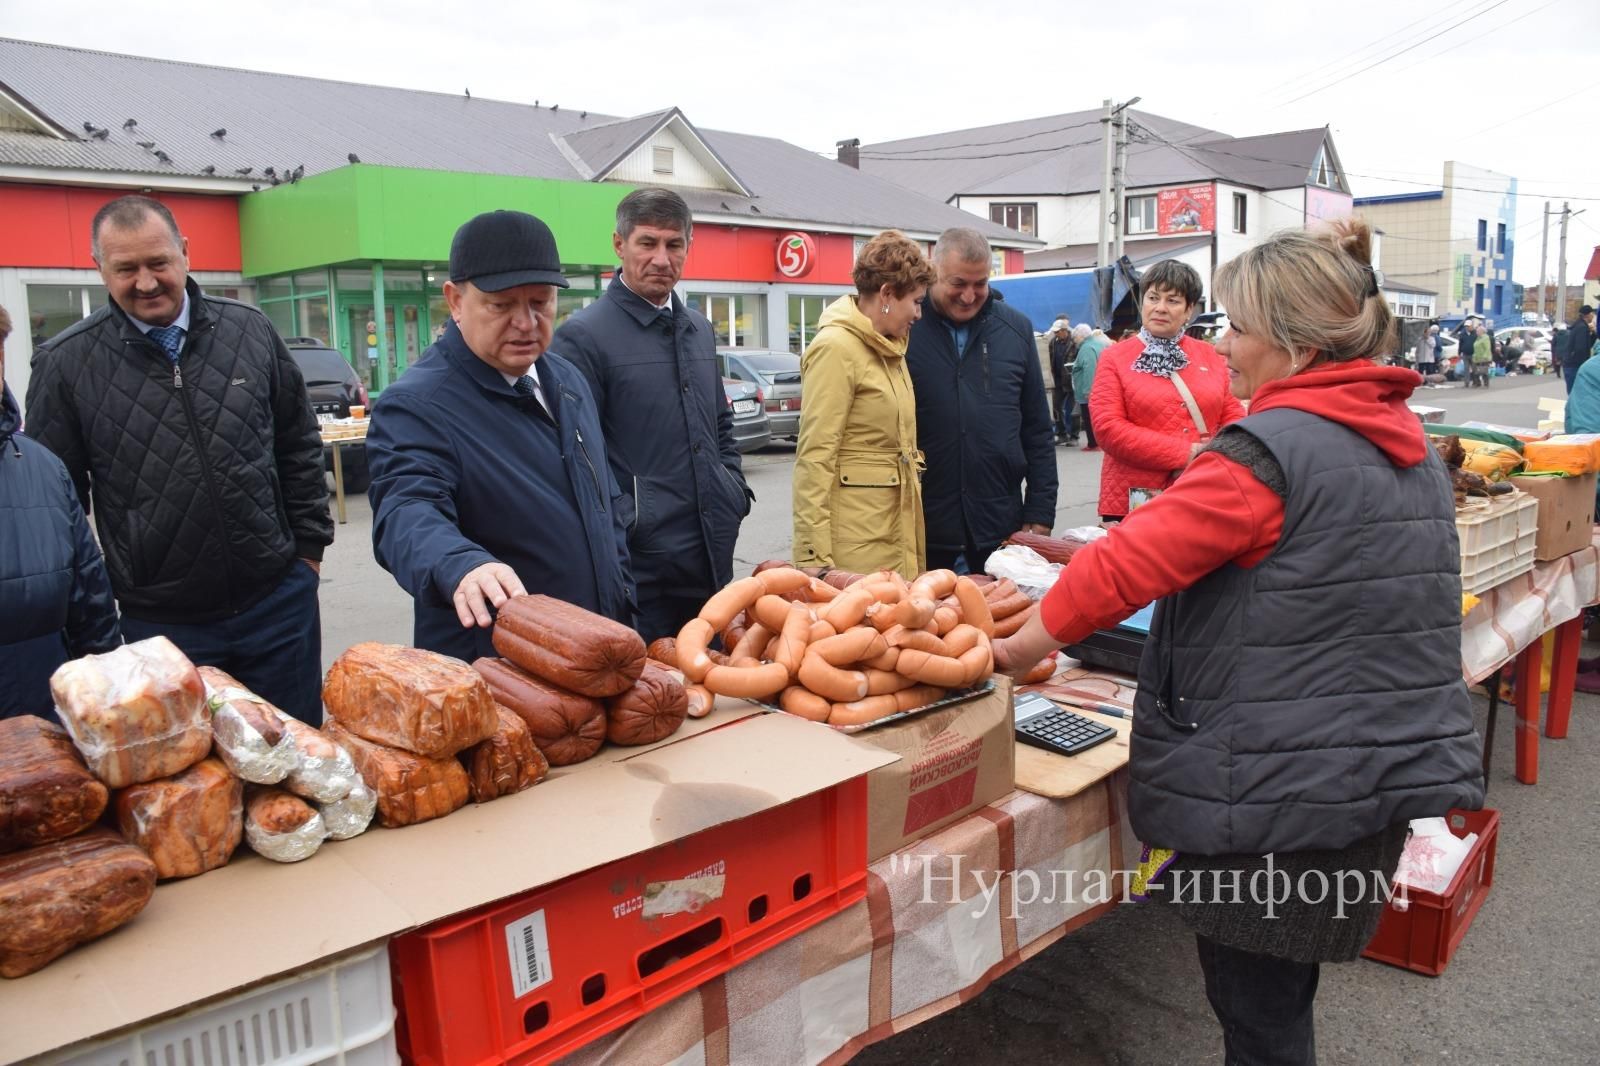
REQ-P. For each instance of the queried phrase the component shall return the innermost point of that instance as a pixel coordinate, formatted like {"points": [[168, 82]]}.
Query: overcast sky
{"points": [[1510, 85]]}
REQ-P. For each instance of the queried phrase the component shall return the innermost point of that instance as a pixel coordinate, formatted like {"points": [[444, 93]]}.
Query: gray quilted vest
{"points": [[1317, 698]]}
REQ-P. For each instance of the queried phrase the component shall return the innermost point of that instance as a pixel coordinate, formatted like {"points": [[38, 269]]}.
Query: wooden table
{"points": [[336, 443]]}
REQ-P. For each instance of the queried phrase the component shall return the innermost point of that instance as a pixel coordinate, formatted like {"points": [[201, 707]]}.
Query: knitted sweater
{"points": [[1142, 422]]}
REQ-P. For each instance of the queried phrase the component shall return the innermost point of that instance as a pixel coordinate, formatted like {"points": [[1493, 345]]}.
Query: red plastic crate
{"points": [[592, 953], [1423, 937]]}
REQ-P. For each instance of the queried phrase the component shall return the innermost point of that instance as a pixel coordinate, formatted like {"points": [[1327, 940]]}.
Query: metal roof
{"points": [[1076, 256], [285, 121], [1064, 154]]}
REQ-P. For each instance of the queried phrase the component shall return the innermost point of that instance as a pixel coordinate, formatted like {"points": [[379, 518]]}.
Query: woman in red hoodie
{"points": [[1143, 388], [1300, 695]]}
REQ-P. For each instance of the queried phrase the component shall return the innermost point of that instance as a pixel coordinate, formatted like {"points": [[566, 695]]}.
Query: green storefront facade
{"points": [[338, 253]]}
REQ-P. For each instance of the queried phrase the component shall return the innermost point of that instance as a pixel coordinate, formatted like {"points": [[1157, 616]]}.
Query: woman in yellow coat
{"points": [[857, 471]]}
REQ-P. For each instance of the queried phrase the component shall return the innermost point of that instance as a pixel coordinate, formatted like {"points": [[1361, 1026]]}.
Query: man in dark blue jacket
{"points": [[652, 364], [983, 421], [489, 472], [53, 581]]}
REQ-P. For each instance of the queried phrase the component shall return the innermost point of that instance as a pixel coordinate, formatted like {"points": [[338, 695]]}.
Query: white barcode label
{"points": [[529, 949]]}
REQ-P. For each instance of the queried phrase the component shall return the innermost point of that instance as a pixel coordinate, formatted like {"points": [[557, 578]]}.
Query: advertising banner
{"points": [[1192, 209]]}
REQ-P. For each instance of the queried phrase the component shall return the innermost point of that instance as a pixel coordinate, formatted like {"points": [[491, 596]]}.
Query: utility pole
{"points": [[1544, 258], [1103, 252], [1561, 265], [1119, 192]]}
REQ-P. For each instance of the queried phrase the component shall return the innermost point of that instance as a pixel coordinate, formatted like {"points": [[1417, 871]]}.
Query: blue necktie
{"points": [[170, 338]]}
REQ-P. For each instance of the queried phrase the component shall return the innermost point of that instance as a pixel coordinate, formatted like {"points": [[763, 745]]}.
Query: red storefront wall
{"points": [[738, 253], [48, 226]]}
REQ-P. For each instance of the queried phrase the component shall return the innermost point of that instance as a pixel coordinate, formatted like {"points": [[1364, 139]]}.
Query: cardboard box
{"points": [[1566, 513], [953, 760], [253, 919]]}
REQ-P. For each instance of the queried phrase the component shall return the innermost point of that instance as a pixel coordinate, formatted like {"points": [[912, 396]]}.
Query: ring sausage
{"points": [[935, 584], [880, 616], [693, 639], [961, 639], [917, 639], [851, 646], [747, 682], [771, 611], [793, 639], [1044, 670], [780, 580], [977, 663], [915, 612], [735, 597], [752, 644], [886, 661], [820, 630], [974, 608], [1012, 604], [829, 681], [1006, 627], [940, 670], [848, 609], [883, 682], [945, 619], [805, 704], [862, 711]]}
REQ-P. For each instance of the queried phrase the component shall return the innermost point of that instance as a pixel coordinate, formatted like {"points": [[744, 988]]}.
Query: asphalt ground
{"points": [[1523, 988]]}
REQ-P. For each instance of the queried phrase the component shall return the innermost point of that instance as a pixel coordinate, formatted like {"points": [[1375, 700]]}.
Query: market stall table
{"points": [[1507, 626]]}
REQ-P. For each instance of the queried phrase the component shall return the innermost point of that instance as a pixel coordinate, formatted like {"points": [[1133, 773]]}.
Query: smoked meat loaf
{"points": [[246, 731], [188, 823], [566, 727], [569, 646], [59, 895], [410, 788], [46, 792], [651, 710], [407, 698], [136, 713], [505, 763]]}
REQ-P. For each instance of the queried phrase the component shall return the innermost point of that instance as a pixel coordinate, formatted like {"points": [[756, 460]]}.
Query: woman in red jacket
{"points": [[1140, 404]]}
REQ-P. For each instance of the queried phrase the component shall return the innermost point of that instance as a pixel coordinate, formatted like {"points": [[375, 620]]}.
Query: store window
{"points": [[804, 313], [1241, 208], [52, 308], [1500, 238], [1024, 218], [1141, 214], [736, 319], [297, 306]]}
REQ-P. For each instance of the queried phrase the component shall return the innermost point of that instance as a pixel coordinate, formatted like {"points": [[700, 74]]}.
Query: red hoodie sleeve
{"points": [[1216, 513]]}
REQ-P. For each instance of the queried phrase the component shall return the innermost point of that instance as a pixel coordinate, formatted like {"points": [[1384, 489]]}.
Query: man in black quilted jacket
{"points": [[184, 421]]}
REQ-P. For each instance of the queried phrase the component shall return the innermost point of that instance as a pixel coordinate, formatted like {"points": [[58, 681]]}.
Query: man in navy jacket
{"points": [[652, 363], [489, 470], [982, 418]]}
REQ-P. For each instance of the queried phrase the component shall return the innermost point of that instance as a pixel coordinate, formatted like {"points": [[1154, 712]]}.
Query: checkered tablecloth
{"points": [[942, 919], [1513, 615]]}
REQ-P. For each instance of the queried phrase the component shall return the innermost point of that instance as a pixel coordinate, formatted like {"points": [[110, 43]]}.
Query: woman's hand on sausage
{"points": [[489, 585], [1017, 654]]}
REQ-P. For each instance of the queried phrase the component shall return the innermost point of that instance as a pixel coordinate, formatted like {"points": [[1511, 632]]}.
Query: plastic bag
{"points": [[137, 713], [1029, 570], [1432, 855]]}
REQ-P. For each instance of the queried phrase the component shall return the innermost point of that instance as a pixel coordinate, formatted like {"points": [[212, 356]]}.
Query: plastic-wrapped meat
{"points": [[247, 732], [409, 787], [281, 826], [505, 763], [418, 701], [350, 815], [46, 792], [323, 770], [137, 713], [188, 823]]}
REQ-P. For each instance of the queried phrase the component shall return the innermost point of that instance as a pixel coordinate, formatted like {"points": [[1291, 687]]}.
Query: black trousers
{"points": [[274, 649], [1065, 411], [1264, 1005], [968, 560], [1088, 426]]}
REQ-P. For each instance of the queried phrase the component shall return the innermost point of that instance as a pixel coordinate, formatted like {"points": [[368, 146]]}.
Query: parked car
{"points": [[751, 430], [333, 387], [777, 375]]}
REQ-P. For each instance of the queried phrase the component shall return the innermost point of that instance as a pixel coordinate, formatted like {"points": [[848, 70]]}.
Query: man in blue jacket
{"points": [[489, 472], [982, 418], [652, 364]]}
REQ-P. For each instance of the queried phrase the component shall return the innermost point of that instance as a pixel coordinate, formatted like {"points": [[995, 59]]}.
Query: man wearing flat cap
{"points": [[489, 468]]}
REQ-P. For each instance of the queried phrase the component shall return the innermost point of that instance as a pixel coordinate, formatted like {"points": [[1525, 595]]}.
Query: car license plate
{"points": [[744, 407]]}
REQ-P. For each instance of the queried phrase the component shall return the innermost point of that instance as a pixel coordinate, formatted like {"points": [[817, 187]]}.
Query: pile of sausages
{"points": [[878, 646]]}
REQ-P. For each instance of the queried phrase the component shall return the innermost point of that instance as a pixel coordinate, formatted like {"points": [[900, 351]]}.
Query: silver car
{"points": [[777, 375], [751, 430]]}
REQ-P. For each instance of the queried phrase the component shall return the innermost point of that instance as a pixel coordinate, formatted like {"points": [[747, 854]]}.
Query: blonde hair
{"points": [[893, 259], [1309, 292]]}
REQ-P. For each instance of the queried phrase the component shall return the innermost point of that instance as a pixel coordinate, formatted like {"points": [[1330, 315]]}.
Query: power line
{"points": [[1479, 37], [1541, 107], [1386, 41], [1392, 55]]}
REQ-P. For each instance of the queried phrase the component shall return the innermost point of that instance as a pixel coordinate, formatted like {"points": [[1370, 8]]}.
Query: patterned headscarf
{"points": [[1161, 356]]}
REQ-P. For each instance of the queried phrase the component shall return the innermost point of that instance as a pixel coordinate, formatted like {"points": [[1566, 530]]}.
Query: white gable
{"points": [[14, 116], [691, 165]]}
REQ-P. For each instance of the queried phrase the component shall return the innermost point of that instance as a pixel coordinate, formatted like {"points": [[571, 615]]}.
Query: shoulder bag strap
{"points": [[1188, 401]]}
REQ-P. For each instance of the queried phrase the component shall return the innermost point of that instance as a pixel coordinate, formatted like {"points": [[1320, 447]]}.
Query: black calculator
{"points": [[1044, 725]]}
